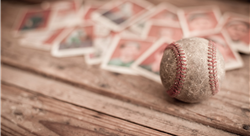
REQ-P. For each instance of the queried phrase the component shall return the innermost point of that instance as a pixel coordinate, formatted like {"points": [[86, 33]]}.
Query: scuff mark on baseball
{"points": [[192, 69]]}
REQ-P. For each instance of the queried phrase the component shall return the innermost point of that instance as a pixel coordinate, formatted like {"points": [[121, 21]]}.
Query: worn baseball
{"points": [[192, 69]]}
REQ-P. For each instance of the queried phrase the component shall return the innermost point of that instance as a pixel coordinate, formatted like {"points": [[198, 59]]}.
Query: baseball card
{"points": [[123, 52], [65, 13], [100, 30], [31, 19], [78, 40], [126, 33], [42, 39], [101, 46], [164, 13], [62, 5], [148, 64], [120, 14], [64, 18], [158, 30], [102, 40], [86, 11], [231, 57], [199, 20], [236, 27]]}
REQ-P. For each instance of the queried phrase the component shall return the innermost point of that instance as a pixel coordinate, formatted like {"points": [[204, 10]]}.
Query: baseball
{"points": [[192, 69]]}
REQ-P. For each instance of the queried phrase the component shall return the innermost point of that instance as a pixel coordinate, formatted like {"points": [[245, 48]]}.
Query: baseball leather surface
{"points": [[192, 69]]}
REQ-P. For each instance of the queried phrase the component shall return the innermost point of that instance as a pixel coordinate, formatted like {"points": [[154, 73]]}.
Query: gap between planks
{"points": [[218, 112], [49, 116], [122, 110]]}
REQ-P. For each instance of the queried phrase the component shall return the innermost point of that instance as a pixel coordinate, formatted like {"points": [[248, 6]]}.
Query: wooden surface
{"points": [[43, 95]]}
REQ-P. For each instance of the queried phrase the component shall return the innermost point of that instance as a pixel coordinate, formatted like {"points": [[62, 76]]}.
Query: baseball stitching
{"points": [[180, 70], [212, 67]]}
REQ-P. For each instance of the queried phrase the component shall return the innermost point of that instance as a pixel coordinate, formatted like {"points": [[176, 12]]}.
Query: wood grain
{"points": [[10, 128], [229, 110], [49, 88], [39, 114]]}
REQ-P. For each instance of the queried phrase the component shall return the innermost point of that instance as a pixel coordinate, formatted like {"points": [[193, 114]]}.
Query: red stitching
{"points": [[180, 70], [212, 67]]}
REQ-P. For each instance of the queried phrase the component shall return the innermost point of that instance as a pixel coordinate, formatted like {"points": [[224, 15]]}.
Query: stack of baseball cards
{"points": [[129, 36]]}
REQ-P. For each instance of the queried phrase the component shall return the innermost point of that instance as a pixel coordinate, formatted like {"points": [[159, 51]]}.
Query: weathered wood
{"points": [[224, 111], [10, 128], [39, 114], [41, 87]]}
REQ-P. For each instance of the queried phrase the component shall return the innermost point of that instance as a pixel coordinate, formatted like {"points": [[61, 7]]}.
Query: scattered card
{"points": [[101, 46], [164, 13], [103, 38], [158, 30], [148, 64], [231, 57], [64, 18], [62, 5], [121, 14], [121, 34], [123, 52], [86, 11], [41, 39], [31, 19], [199, 20], [77, 41], [236, 27]]}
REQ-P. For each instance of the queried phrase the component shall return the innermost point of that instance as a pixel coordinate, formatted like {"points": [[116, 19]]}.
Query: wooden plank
{"points": [[224, 111], [39, 114], [45, 87], [11, 129], [229, 110]]}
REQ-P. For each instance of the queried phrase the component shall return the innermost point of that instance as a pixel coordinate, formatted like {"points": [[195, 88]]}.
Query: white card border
{"points": [[184, 24], [149, 25], [240, 47], [98, 16], [232, 65], [22, 12], [109, 53], [38, 45], [71, 52], [154, 11], [143, 72]]}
